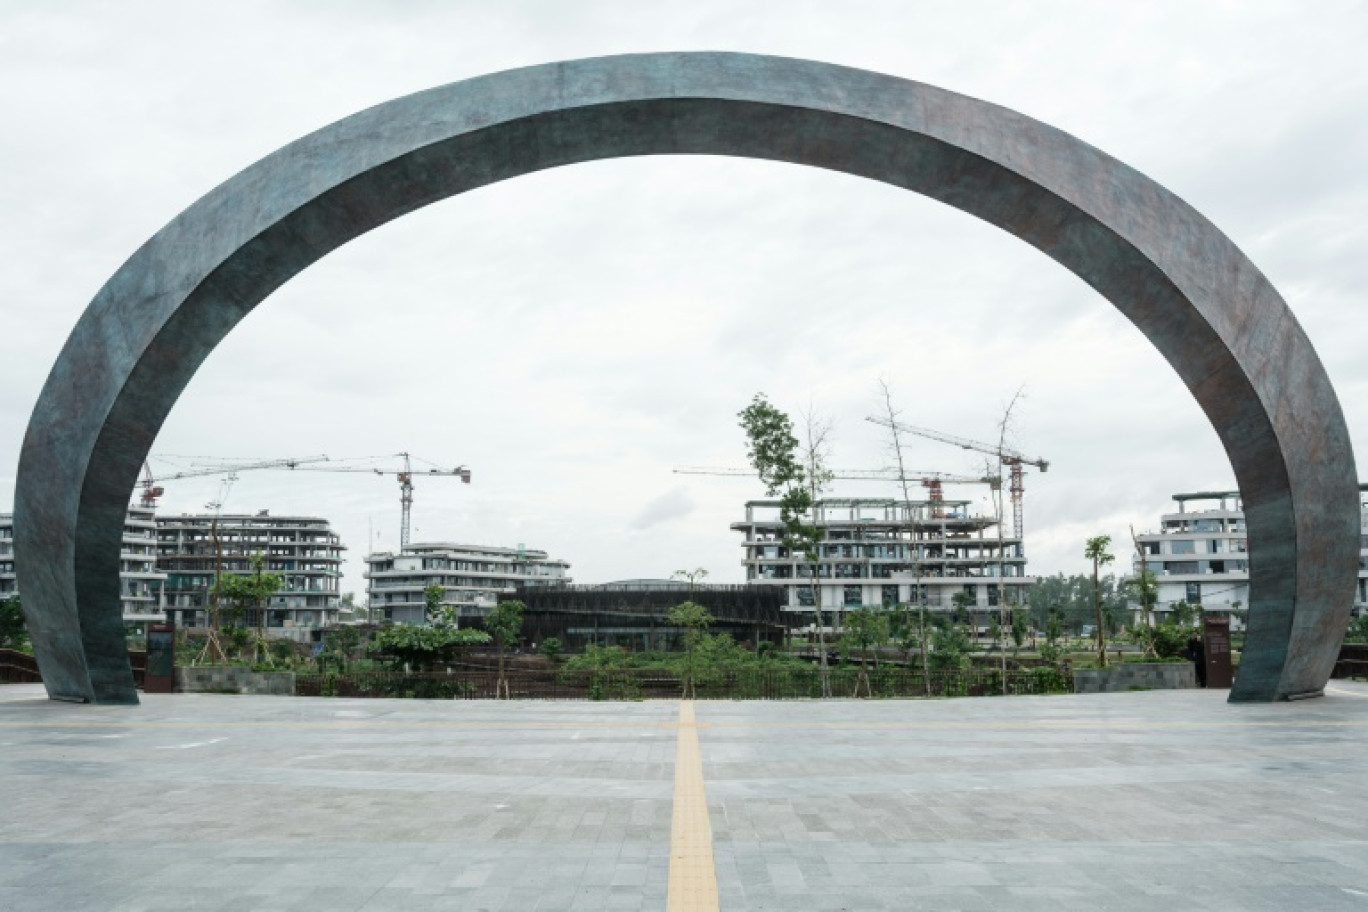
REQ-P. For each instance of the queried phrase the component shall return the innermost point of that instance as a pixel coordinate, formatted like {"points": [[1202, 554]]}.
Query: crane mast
{"points": [[1013, 459], [405, 475]]}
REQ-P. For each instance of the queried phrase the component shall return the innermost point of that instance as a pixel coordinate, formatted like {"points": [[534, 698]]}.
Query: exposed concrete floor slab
{"points": [[1171, 800]]}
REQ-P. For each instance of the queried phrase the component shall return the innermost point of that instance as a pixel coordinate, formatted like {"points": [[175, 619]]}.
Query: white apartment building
{"points": [[141, 582], [473, 578], [1200, 555], [878, 552], [302, 549]]}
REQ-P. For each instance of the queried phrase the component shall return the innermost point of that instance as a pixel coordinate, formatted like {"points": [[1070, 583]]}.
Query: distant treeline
{"points": [[1072, 597]]}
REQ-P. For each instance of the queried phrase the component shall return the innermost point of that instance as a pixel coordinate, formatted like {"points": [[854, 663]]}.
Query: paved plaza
{"points": [[1154, 800]]}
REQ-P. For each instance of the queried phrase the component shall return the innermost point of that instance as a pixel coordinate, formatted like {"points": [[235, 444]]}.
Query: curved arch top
{"points": [[1199, 300]]}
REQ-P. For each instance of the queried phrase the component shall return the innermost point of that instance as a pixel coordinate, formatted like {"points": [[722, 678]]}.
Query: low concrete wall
{"points": [[234, 679], [1135, 676]]}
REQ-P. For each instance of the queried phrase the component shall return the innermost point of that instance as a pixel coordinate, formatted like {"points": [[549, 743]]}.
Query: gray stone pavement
{"points": [[1169, 800]]}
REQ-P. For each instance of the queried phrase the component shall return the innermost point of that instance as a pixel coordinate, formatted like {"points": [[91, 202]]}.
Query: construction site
{"points": [[881, 552], [875, 552]]}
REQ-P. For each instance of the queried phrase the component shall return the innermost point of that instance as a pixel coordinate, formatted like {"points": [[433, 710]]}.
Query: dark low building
{"points": [[632, 613]]}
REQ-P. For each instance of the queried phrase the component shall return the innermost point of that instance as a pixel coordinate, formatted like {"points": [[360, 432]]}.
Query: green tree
{"points": [[1019, 629], [1096, 551], [251, 592], [436, 613], [909, 631], [342, 641], [694, 620], [962, 602], [504, 624], [865, 627], [1144, 585], [913, 549], [773, 451], [13, 632], [551, 648], [949, 647], [1146, 588], [420, 647], [1183, 615], [1237, 609], [1054, 627], [1358, 629]]}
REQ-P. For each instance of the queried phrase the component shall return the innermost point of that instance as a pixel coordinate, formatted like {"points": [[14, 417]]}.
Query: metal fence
{"points": [[1352, 662], [637, 684], [21, 668], [18, 667]]}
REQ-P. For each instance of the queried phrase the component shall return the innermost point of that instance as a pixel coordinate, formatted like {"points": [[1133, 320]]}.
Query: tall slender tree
{"points": [[865, 627], [504, 625], [1147, 591], [1096, 551], [692, 576], [693, 619], [773, 451], [252, 593], [913, 545], [1004, 426]]}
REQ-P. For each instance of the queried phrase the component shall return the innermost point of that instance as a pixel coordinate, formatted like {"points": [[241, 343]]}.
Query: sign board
{"points": [[1216, 646], [161, 659]]}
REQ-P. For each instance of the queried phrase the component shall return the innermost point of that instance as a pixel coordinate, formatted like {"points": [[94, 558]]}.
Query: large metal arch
{"points": [[1199, 300]]}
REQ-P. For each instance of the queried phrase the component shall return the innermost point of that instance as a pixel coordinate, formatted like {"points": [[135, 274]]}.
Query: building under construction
{"points": [[304, 550], [884, 552], [632, 613], [140, 580]]}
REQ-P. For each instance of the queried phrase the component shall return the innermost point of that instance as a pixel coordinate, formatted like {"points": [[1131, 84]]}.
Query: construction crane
{"points": [[933, 481], [151, 490], [1013, 459], [405, 476]]}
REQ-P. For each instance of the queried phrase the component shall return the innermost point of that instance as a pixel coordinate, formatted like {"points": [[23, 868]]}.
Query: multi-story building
{"points": [[473, 578], [302, 549], [140, 580], [1200, 555], [877, 552], [9, 584]]}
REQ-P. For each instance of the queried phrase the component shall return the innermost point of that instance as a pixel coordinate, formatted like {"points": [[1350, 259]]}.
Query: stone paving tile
{"points": [[1127, 801], [1156, 800]]}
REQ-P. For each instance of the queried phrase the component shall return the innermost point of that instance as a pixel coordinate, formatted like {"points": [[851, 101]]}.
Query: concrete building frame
{"points": [[878, 552], [304, 550], [1211, 313]]}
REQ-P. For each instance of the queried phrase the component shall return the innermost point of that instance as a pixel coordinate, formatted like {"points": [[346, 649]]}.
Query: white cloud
{"points": [[674, 504]]}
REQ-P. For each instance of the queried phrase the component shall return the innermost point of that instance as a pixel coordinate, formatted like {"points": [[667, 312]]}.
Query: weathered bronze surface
{"points": [[1217, 320]]}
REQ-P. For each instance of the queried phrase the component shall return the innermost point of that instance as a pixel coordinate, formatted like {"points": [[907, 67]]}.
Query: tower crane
{"points": [[1013, 459], [151, 490], [405, 476], [932, 481], [404, 472]]}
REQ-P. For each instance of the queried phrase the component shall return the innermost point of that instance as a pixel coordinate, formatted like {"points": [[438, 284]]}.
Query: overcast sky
{"points": [[574, 335]]}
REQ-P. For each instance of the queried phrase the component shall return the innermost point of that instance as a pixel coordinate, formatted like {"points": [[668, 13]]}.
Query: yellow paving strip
{"points": [[693, 879]]}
